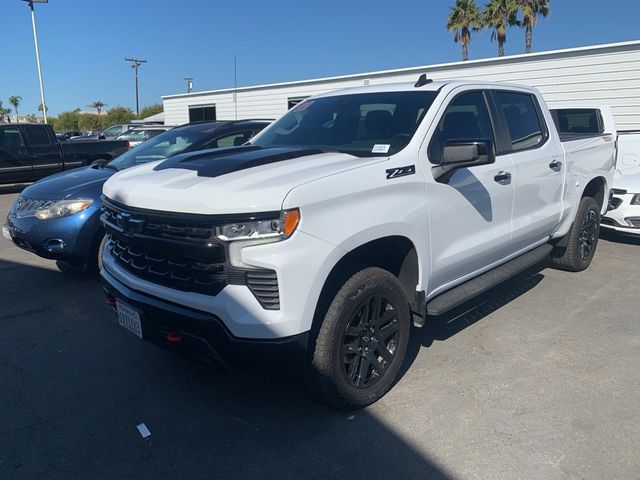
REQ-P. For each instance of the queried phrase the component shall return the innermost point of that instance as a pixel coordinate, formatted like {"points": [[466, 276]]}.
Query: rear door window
{"points": [[525, 127], [38, 135]]}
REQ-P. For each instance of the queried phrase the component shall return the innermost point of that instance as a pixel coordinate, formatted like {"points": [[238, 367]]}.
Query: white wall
{"points": [[607, 74]]}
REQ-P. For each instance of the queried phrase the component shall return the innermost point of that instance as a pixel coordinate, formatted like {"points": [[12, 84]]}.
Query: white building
{"points": [[603, 74]]}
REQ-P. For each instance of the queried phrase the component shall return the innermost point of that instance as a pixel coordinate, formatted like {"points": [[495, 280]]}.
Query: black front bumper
{"points": [[202, 335]]}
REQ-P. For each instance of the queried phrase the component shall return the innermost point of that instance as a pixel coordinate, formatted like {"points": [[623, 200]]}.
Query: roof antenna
{"points": [[423, 80]]}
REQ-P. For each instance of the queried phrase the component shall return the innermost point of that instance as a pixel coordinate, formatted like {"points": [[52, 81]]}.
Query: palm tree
{"points": [[498, 15], [464, 17], [15, 101], [530, 10], [98, 106], [40, 109]]}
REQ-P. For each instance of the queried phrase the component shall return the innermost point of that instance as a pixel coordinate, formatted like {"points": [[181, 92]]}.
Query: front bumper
{"points": [[67, 238], [622, 216], [203, 335]]}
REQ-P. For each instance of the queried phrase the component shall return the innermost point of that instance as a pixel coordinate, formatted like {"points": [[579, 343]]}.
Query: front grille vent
{"points": [[264, 286], [27, 207]]}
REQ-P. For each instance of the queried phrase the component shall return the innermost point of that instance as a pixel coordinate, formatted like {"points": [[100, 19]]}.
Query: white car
{"points": [[356, 214], [137, 135]]}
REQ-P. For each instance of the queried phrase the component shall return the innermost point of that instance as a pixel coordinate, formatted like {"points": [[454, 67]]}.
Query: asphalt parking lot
{"points": [[538, 380]]}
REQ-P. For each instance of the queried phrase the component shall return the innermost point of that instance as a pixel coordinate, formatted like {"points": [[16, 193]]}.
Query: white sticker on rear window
{"points": [[380, 148]]}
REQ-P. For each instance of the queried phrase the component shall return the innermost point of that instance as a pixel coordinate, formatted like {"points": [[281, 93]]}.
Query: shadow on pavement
{"points": [[75, 386], [613, 236]]}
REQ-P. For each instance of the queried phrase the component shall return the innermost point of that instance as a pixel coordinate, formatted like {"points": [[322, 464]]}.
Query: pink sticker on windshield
{"points": [[302, 106]]}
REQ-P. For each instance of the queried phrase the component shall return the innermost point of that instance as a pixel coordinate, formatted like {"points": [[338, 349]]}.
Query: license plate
{"points": [[129, 318], [6, 233]]}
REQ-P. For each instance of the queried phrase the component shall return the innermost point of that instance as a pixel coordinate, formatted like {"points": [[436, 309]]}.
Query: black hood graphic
{"points": [[228, 160]]}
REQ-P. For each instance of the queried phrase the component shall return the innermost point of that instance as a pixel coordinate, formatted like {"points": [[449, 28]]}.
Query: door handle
{"points": [[555, 165], [503, 177]]}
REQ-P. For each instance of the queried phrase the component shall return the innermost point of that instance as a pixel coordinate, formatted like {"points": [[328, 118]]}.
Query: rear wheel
{"points": [[582, 239], [362, 341]]}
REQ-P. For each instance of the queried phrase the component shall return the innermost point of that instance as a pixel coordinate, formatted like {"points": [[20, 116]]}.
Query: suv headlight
{"points": [[63, 208], [274, 229], [636, 199]]}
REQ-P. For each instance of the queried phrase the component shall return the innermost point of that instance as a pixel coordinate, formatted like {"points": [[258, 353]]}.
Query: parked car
{"points": [[574, 121], [354, 215], [64, 136], [624, 209], [32, 151], [109, 133], [137, 135], [58, 217]]}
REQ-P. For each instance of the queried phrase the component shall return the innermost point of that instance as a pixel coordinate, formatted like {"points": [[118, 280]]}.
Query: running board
{"points": [[460, 294]]}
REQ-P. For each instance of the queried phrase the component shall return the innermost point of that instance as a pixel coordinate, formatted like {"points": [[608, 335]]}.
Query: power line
{"points": [[135, 63]]}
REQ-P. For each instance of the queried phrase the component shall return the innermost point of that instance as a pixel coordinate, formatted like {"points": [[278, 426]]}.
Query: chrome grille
{"points": [[26, 207]]}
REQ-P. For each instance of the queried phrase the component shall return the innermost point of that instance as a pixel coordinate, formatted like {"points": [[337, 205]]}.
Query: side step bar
{"points": [[460, 294]]}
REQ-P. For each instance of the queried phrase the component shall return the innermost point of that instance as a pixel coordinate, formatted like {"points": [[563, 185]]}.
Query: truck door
{"points": [[15, 158], [470, 212], [45, 150], [538, 162]]}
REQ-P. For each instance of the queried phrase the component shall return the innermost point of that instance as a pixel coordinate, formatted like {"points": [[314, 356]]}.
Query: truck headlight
{"points": [[249, 234], [636, 199], [63, 208], [274, 229]]}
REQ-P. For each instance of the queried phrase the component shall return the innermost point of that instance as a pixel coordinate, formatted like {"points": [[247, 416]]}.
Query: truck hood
{"points": [[83, 182], [235, 180]]}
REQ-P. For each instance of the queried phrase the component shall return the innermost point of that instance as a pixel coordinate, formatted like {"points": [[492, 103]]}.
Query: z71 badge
{"points": [[401, 172]]}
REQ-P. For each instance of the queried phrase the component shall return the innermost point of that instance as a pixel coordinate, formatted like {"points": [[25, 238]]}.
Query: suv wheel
{"points": [[362, 341]]}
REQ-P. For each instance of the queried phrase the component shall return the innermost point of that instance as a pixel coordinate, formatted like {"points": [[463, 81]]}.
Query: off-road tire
{"points": [[582, 239], [372, 302]]}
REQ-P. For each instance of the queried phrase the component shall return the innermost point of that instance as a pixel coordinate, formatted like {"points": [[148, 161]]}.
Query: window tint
{"points": [[38, 136], [521, 115], [364, 124], [233, 140], [578, 120], [10, 138], [466, 118]]}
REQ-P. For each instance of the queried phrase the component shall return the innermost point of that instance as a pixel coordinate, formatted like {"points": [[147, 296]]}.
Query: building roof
{"points": [[592, 49]]}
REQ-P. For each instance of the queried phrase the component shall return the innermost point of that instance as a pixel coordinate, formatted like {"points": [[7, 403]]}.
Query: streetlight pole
{"points": [[35, 40], [135, 63]]}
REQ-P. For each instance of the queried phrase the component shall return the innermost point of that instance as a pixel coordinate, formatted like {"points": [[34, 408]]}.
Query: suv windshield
{"points": [[162, 146], [366, 124]]}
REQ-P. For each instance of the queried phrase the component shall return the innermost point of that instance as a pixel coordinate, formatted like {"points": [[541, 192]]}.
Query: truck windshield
{"points": [[365, 124], [162, 146]]}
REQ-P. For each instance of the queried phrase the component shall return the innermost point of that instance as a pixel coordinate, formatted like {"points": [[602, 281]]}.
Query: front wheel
{"points": [[362, 341], [582, 239]]}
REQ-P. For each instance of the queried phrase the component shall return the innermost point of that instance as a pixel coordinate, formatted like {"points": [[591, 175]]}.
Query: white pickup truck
{"points": [[356, 214]]}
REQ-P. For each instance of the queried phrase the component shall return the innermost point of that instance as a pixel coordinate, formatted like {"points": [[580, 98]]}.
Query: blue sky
{"points": [[83, 43]]}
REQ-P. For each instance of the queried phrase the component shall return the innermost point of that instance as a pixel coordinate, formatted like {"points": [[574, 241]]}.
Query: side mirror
{"points": [[458, 154], [101, 137]]}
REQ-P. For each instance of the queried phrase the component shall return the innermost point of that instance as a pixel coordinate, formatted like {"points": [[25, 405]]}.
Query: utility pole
{"points": [[189, 84], [135, 63], [35, 41]]}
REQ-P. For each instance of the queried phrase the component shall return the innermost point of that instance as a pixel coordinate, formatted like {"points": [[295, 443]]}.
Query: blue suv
{"points": [[58, 217]]}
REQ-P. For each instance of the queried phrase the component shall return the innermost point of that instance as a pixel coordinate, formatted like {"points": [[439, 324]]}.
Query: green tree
{"points": [[31, 118], [3, 112], [15, 101], [464, 17], [531, 9], [90, 121], [97, 105], [67, 121], [498, 15], [151, 110], [119, 115], [40, 109]]}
